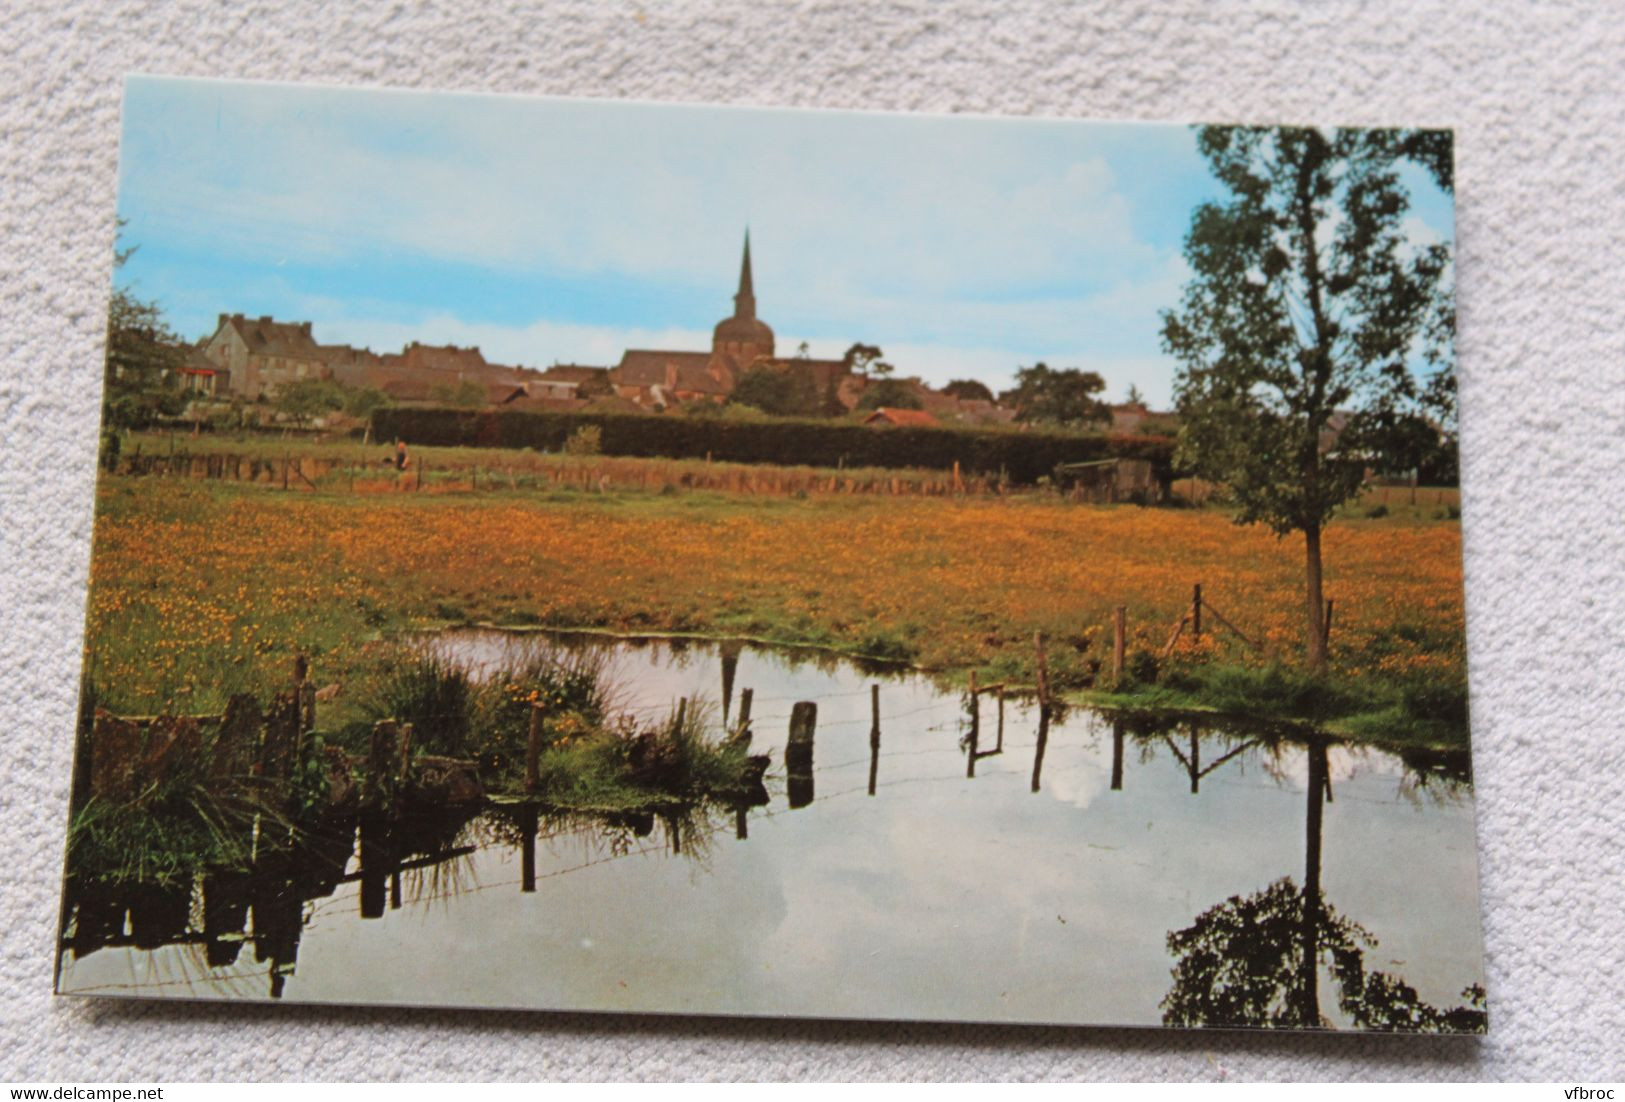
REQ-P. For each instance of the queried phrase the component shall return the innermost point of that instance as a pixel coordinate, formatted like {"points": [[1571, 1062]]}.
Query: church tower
{"points": [[741, 340]]}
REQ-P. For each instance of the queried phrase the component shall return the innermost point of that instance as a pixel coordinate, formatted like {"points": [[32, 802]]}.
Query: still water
{"points": [[1036, 881]]}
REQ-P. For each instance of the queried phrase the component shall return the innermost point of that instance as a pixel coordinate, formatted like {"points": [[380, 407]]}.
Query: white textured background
{"points": [[1536, 93]]}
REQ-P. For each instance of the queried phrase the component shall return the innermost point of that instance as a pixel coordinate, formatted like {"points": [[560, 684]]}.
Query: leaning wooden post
{"points": [[533, 749], [745, 696], [682, 711], [1119, 641], [1196, 612], [1326, 626]]}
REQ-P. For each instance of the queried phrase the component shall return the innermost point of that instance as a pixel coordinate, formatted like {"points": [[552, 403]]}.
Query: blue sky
{"points": [[551, 230]]}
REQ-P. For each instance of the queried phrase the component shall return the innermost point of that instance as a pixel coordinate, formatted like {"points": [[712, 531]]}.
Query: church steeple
{"points": [[743, 339], [745, 300]]}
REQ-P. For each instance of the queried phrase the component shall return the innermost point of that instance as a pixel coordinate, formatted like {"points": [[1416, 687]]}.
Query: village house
{"points": [[261, 354], [202, 376]]}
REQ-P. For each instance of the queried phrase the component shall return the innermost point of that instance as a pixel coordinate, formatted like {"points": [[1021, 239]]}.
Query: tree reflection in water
{"points": [[1256, 960]]}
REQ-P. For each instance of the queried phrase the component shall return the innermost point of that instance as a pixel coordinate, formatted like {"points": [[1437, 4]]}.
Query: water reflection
{"points": [[920, 830], [1257, 960]]}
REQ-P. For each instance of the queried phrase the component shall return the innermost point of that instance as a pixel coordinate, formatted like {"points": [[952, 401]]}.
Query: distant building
{"points": [[262, 354], [659, 378], [253, 358], [901, 418], [1137, 417], [201, 375]]}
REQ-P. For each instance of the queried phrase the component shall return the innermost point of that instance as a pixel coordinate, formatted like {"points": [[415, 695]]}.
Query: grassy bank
{"points": [[201, 589]]}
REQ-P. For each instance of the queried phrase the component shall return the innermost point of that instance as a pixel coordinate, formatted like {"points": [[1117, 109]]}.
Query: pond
{"points": [[1032, 875]]}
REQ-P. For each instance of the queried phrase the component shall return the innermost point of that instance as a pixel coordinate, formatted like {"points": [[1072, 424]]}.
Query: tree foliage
{"points": [[861, 358], [1057, 396], [1243, 963], [466, 394], [1309, 300], [885, 393], [142, 371], [361, 401], [969, 390], [303, 400], [784, 391], [1302, 336]]}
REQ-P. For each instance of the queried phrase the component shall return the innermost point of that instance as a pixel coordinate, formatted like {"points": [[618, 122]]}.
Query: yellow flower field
{"points": [[199, 591]]}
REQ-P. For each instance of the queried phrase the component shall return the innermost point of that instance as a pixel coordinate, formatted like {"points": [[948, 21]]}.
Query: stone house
{"points": [[262, 354]]}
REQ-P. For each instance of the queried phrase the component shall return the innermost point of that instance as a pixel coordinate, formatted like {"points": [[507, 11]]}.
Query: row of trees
{"points": [[1065, 397]]}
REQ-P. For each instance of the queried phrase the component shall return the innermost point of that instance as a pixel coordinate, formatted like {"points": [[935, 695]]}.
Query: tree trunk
{"points": [[1317, 605]]}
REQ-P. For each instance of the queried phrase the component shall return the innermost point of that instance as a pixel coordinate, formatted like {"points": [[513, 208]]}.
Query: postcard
{"points": [[626, 557]]}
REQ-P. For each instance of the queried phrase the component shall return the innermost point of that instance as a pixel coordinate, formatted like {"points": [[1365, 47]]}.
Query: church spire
{"points": [[745, 300]]}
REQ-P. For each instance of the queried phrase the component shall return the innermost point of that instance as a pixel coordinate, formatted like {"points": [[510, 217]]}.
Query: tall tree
{"points": [[142, 381], [860, 358], [1058, 396], [1310, 299]]}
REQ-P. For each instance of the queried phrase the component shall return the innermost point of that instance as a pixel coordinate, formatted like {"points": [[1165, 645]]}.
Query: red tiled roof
{"points": [[914, 418], [444, 358], [574, 373]]}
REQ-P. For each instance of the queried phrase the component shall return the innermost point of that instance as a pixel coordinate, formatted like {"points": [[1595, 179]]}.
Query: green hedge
{"points": [[1023, 456]]}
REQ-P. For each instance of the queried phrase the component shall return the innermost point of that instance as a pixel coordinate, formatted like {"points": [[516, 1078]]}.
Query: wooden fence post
{"points": [[798, 753], [1119, 641], [1196, 612], [533, 749], [874, 736], [1043, 672], [287, 465], [745, 696], [405, 773], [1326, 626], [527, 848], [384, 746]]}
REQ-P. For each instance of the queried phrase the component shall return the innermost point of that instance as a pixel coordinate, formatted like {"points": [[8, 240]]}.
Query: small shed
{"points": [[1107, 481]]}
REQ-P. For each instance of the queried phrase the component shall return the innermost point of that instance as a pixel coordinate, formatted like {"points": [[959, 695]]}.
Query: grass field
{"points": [[203, 588]]}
